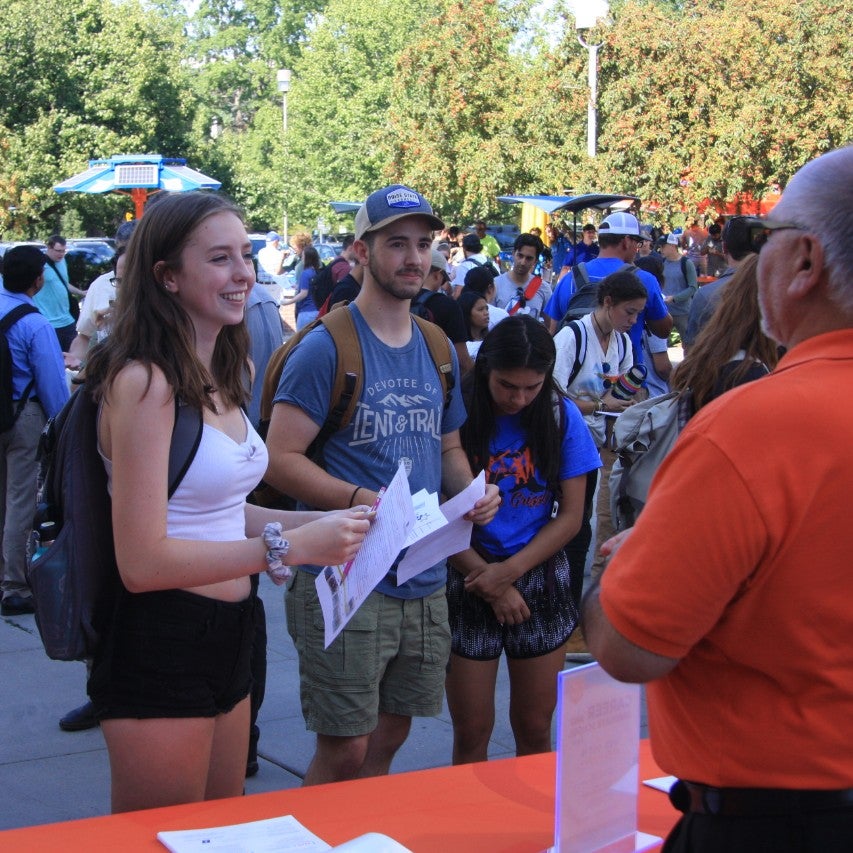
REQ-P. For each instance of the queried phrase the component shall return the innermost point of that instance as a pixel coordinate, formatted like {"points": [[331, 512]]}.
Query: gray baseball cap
{"points": [[390, 204]]}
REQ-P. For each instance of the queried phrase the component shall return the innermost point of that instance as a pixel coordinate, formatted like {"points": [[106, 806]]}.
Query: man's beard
{"points": [[393, 287]]}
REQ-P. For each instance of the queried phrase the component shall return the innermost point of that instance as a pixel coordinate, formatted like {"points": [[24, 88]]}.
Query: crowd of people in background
{"points": [[551, 342]]}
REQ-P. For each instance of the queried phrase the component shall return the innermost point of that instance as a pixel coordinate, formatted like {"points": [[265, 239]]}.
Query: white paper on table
{"points": [[276, 835], [428, 516], [661, 783], [372, 842], [340, 591], [451, 538]]}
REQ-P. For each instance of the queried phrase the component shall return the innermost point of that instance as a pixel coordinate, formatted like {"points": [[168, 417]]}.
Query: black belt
{"points": [[755, 802]]}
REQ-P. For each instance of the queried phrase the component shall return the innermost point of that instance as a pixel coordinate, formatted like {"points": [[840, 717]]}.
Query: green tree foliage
{"points": [[714, 99], [338, 123], [697, 100], [236, 49], [82, 79], [454, 118]]}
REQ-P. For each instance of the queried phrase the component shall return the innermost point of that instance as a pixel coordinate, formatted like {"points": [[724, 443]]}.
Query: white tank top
{"points": [[208, 504]]}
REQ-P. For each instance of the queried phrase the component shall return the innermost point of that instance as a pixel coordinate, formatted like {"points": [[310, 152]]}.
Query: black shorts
{"points": [[477, 634], [173, 654]]}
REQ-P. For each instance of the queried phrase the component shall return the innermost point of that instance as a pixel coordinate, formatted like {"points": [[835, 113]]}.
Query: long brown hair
{"points": [[518, 341], [150, 324], [734, 326]]}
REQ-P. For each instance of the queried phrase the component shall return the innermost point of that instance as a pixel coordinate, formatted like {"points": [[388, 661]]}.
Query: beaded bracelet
{"points": [[277, 548]]}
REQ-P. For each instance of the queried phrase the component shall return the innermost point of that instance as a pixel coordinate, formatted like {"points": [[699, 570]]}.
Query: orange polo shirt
{"points": [[741, 566]]}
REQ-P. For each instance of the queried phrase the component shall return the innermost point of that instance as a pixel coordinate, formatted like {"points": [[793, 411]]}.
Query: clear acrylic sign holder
{"points": [[598, 764]]}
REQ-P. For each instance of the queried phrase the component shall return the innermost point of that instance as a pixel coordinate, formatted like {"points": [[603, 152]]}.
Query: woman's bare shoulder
{"points": [[140, 383]]}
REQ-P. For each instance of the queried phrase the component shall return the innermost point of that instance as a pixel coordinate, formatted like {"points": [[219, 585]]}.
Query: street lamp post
{"points": [[587, 14], [283, 80]]}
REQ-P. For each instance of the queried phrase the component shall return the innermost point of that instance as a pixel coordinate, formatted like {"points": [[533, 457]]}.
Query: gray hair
{"points": [[822, 201]]}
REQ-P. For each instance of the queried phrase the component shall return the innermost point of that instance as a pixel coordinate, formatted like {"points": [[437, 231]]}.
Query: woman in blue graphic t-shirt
{"points": [[510, 591]]}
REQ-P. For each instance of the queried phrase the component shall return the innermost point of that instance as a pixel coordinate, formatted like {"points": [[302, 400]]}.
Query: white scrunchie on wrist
{"points": [[277, 548]]}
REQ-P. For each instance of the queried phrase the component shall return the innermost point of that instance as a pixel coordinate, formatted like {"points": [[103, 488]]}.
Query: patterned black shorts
{"points": [[476, 633]]}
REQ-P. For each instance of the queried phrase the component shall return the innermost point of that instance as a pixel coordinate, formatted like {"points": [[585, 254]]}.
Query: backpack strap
{"points": [[53, 266], [439, 350], [684, 266], [623, 341], [186, 437], [580, 276], [6, 324], [15, 314], [580, 344], [349, 373]]}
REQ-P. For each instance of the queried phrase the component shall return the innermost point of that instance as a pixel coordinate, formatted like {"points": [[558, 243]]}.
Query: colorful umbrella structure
{"points": [[550, 204], [139, 176]]}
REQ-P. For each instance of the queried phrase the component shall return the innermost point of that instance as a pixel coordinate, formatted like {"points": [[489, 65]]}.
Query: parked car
{"points": [[86, 259], [328, 251]]}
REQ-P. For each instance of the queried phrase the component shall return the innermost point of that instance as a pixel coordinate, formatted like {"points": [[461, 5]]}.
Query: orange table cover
{"points": [[504, 806]]}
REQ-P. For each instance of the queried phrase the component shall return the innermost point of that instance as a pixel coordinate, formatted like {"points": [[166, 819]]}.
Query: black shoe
{"points": [[16, 605], [79, 719], [252, 768]]}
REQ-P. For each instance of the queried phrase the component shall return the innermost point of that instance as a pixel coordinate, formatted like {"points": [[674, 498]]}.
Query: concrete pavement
{"points": [[48, 775]]}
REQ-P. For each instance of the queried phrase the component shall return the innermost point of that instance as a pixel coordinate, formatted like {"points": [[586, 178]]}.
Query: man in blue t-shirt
{"points": [[388, 664], [618, 237], [53, 300]]}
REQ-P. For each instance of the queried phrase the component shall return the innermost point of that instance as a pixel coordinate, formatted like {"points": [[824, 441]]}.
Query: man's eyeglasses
{"points": [[761, 229]]}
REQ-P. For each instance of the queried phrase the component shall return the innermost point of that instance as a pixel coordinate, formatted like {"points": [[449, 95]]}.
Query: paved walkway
{"points": [[48, 775]]}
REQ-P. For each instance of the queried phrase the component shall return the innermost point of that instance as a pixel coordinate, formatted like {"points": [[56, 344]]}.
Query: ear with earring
{"points": [[159, 271]]}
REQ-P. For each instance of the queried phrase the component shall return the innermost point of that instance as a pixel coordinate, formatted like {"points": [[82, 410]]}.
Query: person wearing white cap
{"points": [[270, 259], [679, 282], [618, 237], [388, 664]]}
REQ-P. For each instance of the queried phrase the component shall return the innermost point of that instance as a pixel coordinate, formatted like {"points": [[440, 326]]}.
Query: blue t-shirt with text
{"points": [[400, 417]]}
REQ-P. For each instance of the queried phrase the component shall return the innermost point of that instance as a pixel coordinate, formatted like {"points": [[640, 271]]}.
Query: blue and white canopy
{"points": [[137, 171]]}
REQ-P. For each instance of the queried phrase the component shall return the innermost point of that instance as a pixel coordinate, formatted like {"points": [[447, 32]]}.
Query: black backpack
{"points": [[322, 285], [419, 306], [9, 412], [585, 298], [488, 265], [582, 345], [75, 582]]}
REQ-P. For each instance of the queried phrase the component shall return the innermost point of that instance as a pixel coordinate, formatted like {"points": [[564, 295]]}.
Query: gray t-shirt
{"points": [[400, 417], [680, 284]]}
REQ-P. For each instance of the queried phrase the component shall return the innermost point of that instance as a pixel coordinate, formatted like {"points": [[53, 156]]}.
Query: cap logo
{"points": [[403, 198]]}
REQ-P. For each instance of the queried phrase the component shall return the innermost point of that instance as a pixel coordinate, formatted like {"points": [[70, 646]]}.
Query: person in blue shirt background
{"points": [[54, 298], [39, 391]]}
